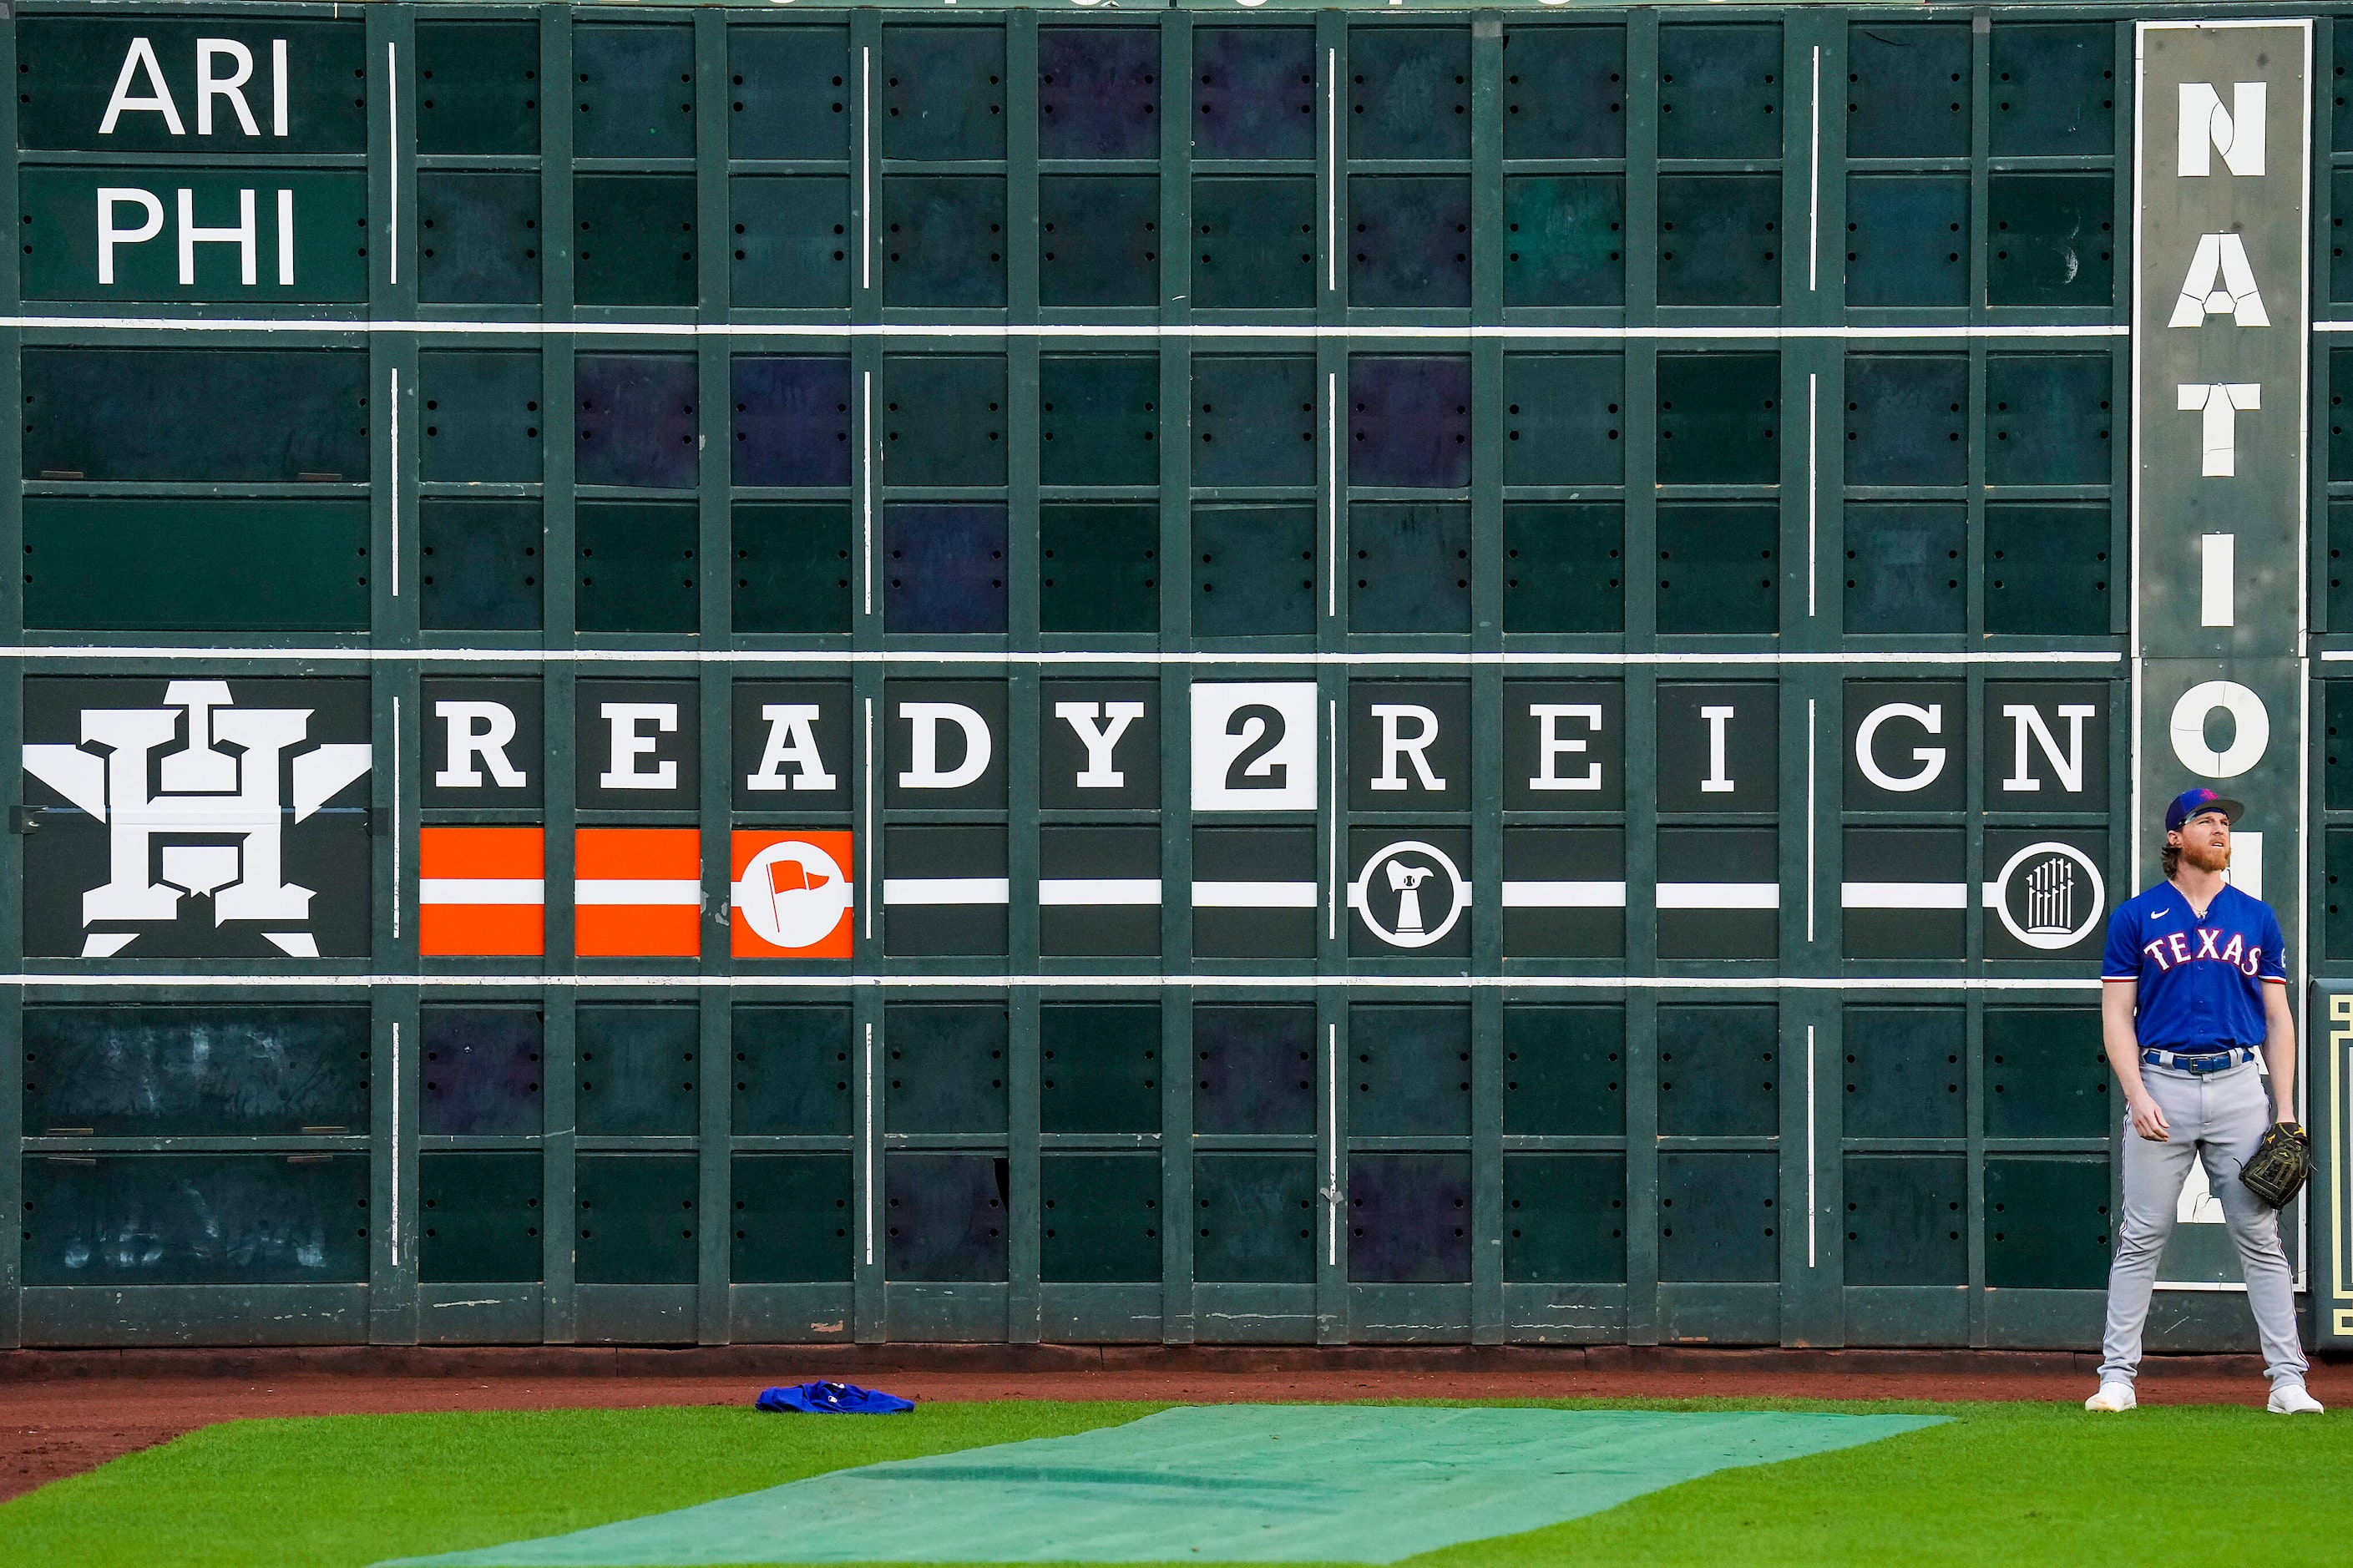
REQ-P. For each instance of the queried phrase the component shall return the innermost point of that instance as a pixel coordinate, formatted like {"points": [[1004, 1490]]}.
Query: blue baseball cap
{"points": [[2191, 802]]}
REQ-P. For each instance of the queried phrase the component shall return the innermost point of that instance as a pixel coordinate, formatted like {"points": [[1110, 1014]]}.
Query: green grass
{"points": [[2001, 1483]]}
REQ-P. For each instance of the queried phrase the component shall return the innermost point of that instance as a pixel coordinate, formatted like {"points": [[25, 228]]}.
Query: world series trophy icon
{"points": [[1406, 882]]}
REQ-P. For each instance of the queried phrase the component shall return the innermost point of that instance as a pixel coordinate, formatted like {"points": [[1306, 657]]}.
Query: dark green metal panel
{"points": [[1719, 419], [2048, 420], [195, 1219], [2336, 749], [1906, 420], [1565, 419], [2051, 240], [2047, 569], [1408, 241], [2055, 88], [1254, 242], [2046, 1076], [946, 1067], [1409, 92], [943, 418], [1565, 240], [1717, 1072], [1904, 1076], [1719, 90], [791, 1218], [1906, 1219], [1410, 570], [1099, 568], [1718, 853], [789, 93], [1410, 1070], [1719, 240], [208, 1072], [1099, 1067], [1565, 1071], [942, 92], [1101, 1217], [1254, 1218], [1099, 240], [1409, 1219], [1718, 1216], [481, 238], [792, 566], [1254, 571], [635, 240], [94, 565], [790, 248], [1092, 926], [1254, 1068], [944, 241], [252, 415], [1565, 1218], [483, 418], [792, 1071], [636, 1068], [1565, 91], [1099, 419], [637, 569], [484, 1073], [482, 565], [481, 1217], [1254, 421], [946, 1216], [478, 88], [1564, 567], [1907, 90], [1715, 568], [1907, 568], [636, 1219], [2046, 1224], [633, 90], [1907, 240]]}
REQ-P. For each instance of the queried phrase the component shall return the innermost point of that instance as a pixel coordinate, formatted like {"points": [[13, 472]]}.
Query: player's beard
{"points": [[2208, 857]]}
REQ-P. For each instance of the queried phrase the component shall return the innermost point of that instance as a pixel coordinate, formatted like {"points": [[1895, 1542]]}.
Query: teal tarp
{"points": [[1260, 1483]]}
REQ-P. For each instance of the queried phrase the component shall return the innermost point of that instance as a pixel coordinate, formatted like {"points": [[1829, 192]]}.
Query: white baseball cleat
{"points": [[2115, 1396], [2293, 1399]]}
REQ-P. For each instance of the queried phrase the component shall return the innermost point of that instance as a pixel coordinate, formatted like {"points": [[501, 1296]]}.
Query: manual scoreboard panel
{"points": [[1231, 673]]}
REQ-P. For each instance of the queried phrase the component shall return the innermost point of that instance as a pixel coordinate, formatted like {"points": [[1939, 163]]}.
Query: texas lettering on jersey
{"points": [[2173, 948]]}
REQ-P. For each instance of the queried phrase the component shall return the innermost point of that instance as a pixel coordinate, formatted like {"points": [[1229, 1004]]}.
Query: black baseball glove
{"points": [[2280, 1165]]}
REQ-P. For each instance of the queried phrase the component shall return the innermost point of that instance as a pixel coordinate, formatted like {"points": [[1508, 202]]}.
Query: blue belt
{"points": [[2199, 1061]]}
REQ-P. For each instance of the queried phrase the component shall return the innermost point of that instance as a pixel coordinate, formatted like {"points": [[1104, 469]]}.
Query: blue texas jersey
{"points": [[2200, 980]]}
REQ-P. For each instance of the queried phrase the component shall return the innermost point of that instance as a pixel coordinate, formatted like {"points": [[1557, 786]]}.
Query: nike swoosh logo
{"points": [[2158, 914]]}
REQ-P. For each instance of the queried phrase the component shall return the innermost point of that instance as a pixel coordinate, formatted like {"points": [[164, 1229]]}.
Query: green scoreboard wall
{"points": [[1231, 673]]}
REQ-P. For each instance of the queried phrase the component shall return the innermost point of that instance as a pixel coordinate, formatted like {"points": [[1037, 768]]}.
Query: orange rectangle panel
{"points": [[791, 894], [636, 893], [482, 892]]}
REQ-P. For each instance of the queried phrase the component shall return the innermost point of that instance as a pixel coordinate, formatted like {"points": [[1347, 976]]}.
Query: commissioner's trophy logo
{"points": [[1410, 894]]}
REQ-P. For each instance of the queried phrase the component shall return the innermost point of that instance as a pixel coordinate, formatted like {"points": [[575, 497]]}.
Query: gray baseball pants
{"points": [[2218, 1117]]}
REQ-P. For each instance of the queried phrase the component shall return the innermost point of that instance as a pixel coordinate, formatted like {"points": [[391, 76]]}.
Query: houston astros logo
{"points": [[1416, 886], [2050, 896]]}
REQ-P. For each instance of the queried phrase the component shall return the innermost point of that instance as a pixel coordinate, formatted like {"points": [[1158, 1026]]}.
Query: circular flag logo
{"points": [[1410, 894], [792, 895], [2050, 896]]}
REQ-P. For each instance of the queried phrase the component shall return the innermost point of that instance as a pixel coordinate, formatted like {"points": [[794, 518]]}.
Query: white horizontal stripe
{"points": [[357, 653], [1719, 895], [1068, 891], [1253, 895], [480, 890], [1057, 330], [72, 979], [1904, 895], [946, 891], [635, 890], [1564, 894]]}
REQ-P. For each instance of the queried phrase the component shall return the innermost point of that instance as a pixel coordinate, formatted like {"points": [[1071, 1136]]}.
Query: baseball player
{"points": [[2195, 986]]}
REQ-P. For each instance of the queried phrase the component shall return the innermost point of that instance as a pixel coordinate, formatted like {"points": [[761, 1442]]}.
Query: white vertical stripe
{"points": [[871, 888], [396, 820], [868, 1215], [2217, 557], [1331, 1149], [866, 488], [392, 107], [1332, 790], [1811, 1207], [1810, 867], [1332, 164], [866, 180], [1813, 475], [393, 485], [1331, 482], [396, 1141], [1814, 185]]}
